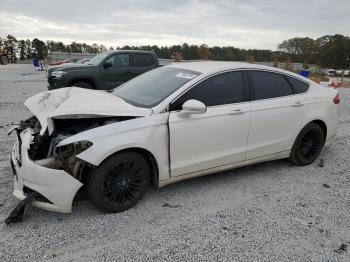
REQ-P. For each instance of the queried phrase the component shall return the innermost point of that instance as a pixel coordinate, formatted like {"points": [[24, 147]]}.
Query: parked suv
{"points": [[105, 71]]}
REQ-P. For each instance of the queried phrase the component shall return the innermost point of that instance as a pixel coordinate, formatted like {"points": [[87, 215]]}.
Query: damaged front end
{"points": [[49, 175]]}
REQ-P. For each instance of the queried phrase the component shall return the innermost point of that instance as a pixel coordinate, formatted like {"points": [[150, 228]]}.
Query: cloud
{"points": [[244, 24]]}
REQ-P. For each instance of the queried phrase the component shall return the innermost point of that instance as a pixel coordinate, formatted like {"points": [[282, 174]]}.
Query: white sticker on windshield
{"points": [[185, 75]]}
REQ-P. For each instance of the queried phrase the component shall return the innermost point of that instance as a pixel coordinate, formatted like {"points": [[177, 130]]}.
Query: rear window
{"points": [[298, 86], [142, 60], [269, 85]]}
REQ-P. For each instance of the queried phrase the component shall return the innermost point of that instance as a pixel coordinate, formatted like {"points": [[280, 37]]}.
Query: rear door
{"points": [[217, 137], [276, 113], [118, 73], [141, 63]]}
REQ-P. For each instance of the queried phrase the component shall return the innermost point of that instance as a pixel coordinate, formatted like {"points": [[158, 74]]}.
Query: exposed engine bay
{"points": [[43, 150]]}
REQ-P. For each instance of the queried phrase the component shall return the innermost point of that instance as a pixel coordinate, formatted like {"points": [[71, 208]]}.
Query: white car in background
{"points": [[172, 123], [331, 72]]}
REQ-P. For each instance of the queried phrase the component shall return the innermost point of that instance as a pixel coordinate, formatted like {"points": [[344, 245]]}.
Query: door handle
{"points": [[298, 104], [236, 112], [127, 71]]}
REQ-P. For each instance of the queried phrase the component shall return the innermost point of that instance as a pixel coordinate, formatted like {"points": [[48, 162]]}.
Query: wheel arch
{"points": [[317, 121], [149, 156], [295, 156], [323, 125], [82, 79]]}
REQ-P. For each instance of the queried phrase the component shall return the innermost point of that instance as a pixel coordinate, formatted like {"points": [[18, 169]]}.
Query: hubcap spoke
{"points": [[123, 183], [310, 145], [135, 186]]}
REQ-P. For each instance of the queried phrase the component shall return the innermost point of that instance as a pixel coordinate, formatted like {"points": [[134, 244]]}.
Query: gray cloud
{"points": [[244, 24]]}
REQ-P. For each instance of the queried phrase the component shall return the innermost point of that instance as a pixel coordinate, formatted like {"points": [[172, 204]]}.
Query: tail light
{"points": [[336, 99]]}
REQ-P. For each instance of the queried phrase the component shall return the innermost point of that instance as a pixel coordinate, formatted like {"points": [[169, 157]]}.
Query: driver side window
{"points": [[225, 88]]}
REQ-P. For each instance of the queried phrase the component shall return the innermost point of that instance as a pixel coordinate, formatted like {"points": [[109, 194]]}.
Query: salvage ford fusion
{"points": [[169, 124]]}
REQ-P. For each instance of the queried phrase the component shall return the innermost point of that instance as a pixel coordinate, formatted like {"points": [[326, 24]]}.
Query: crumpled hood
{"points": [[75, 102]]}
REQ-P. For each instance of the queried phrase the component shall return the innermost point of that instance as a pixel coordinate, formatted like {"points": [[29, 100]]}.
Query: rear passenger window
{"points": [[142, 60], [298, 86], [226, 88], [269, 85]]}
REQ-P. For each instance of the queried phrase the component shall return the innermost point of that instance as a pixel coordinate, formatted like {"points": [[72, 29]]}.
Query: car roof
{"points": [[129, 51], [211, 67]]}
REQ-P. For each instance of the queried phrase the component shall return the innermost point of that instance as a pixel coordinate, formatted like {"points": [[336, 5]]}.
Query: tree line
{"points": [[332, 51]]}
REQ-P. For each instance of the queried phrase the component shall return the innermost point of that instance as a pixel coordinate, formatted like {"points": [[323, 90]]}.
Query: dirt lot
{"points": [[267, 212]]}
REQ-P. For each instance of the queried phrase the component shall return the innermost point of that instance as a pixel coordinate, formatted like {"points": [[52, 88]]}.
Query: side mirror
{"points": [[193, 106], [107, 64]]}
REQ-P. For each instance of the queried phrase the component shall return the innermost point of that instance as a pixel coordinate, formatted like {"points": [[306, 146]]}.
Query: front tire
{"points": [[307, 145], [119, 182]]}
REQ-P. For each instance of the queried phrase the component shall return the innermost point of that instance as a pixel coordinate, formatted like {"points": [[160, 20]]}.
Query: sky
{"points": [[260, 24]]}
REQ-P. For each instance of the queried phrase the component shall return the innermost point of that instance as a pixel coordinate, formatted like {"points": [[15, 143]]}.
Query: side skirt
{"points": [[217, 169]]}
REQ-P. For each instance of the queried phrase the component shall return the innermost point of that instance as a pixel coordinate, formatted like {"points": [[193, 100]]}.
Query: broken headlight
{"points": [[65, 156], [72, 149]]}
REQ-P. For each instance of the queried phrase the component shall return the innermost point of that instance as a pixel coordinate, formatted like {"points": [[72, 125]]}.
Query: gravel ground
{"points": [[267, 212]]}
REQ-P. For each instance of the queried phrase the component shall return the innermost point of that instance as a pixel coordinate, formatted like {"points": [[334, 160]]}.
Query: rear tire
{"points": [[3, 60], [119, 182], [83, 85], [308, 145]]}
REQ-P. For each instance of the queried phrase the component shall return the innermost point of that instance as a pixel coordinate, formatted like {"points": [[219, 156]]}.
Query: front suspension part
{"points": [[16, 214]]}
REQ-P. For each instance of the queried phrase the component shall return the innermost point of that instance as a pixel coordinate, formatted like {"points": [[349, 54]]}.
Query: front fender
{"points": [[149, 133]]}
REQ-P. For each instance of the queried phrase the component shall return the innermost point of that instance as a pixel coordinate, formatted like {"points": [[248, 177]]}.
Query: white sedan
{"points": [[172, 123]]}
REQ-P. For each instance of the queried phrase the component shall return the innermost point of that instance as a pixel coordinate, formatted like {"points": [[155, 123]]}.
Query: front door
{"points": [[217, 137], [117, 73]]}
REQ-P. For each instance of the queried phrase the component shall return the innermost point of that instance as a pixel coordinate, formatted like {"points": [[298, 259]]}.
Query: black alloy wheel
{"points": [[120, 182], [310, 145], [307, 145]]}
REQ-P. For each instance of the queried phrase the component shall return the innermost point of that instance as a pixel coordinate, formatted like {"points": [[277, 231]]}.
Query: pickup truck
{"points": [[105, 71]]}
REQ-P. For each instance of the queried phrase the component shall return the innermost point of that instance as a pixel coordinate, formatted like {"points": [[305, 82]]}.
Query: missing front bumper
{"points": [[57, 186]]}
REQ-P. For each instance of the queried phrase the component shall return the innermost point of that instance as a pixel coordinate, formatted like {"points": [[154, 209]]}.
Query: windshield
{"points": [[82, 61], [96, 60], [149, 89]]}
